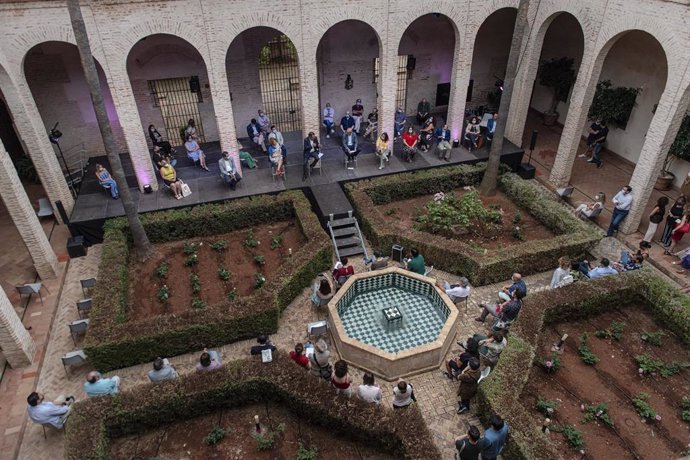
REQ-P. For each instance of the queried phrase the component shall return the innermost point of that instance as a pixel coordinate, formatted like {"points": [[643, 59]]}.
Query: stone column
{"points": [[460, 78], [309, 92], [222, 106], [24, 218], [34, 135], [17, 345], [387, 86], [660, 135]]}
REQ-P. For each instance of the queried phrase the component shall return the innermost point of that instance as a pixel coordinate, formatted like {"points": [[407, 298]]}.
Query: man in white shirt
{"points": [[46, 412], [278, 136], [622, 203], [456, 291], [228, 170], [328, 119]]}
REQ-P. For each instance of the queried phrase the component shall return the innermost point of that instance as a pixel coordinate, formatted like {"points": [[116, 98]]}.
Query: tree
{"points": [[557, 74], [490, 179], [142, 245]]}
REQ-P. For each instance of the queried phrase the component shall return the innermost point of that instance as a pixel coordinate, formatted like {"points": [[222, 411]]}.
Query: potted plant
{"points": [[679, 149], [558, 75], [613, 105]]}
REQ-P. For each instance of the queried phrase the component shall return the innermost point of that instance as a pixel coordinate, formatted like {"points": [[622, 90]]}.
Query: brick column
{"points": [[34, 135], [387, 87], [309, 92], [580, 100], [460, 78], [222, 106], [522, 92], [662, 132], [17, 345], [24, 218]]}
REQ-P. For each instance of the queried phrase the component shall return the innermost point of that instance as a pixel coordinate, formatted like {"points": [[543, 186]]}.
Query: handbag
{"points": [[186, 191]]}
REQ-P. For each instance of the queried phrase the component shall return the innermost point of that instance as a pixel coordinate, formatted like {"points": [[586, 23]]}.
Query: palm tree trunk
{"points": [[142, 245], [490, 179]]}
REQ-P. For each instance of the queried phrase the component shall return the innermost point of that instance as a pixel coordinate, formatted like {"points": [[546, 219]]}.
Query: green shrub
{"points": [[259, 280], [453, 216], [643, 408], [191, 260], [276, 242], [195, 281], [307, 454], [686, 409], [260, 260], [572, 435], [220, 245], [250, 241], [598, 412], [551, 363], [587, 355], [264, 441], [215, 436], [162, 270], [649, 365], [163, 293], [546, 407], [223, 273], [653, 338], [197, 303], [190, 248], [614, 331]]}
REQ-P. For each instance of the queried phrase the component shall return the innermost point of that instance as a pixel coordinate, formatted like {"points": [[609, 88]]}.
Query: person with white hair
{"points": [[457, 291], [319, 360]]}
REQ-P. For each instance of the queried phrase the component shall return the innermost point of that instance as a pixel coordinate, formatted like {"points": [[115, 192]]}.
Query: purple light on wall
{"points": [[143, 175]]}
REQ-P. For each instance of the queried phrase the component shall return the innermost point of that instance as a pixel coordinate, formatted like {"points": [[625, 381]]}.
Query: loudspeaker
{"points": [[526, 171], [533, 141], [411, 62], [194, 85], [456, 143], [397, 253], [76, 247]]}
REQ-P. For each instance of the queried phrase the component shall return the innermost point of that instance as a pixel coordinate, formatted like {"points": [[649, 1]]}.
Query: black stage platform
{"points": [[94, 206]]}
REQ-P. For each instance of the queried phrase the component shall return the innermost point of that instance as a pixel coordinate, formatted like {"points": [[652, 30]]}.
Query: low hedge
{"points": [[113, 342], [573, 236], [502, 391], [95, 421]]}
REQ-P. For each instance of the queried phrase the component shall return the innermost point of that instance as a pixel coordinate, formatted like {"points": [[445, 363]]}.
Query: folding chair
{"points": [[485, 373], [84, 306], [73, 358], [460, 300], [44, 208], [86, 284], [428, 270], [317, 328], [32, 288], [78, 327]]}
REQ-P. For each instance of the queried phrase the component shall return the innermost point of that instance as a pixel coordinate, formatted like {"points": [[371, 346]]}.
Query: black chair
{"points": [[86, 284], [84, 306]]}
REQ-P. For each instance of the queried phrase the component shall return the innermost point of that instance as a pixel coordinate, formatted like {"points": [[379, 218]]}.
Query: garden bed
{"points": [[187, 439], [232, 267], [615, 381], [569, 235], [118, 337]]}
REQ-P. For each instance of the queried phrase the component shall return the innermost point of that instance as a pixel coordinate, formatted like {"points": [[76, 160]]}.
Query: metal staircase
{"points": [[346, 236]]}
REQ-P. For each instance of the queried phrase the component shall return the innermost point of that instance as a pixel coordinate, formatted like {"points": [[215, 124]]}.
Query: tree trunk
{"points": [[490, 179], [142, 245]]}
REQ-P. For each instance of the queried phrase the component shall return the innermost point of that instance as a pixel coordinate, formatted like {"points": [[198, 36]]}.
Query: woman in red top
{"points": [[679, 231], [341, 379], [410, 140], [299, 357]]}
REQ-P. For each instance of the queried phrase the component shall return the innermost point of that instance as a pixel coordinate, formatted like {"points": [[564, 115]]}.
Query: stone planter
{"points": [[550, 118], [664, 181]]}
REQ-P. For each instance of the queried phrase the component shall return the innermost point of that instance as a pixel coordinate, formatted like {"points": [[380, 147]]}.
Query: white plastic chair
{"points": [[485, 373], [73, 358], [32, 288], [78, 327], [44, 208]]}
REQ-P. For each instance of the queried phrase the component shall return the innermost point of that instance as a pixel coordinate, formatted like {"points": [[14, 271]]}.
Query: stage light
{"points": [[147, 188]]}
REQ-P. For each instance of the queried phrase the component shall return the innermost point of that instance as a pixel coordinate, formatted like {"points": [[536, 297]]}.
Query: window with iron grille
{"points": [[178, 100], [280, 83], [403, 76]]}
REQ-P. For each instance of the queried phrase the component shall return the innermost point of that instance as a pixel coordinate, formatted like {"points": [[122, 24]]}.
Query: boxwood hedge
{"points": [[573, 236], [114, 342]]}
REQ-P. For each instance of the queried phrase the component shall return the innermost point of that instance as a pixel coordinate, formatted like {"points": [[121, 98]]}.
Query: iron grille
{"points": [[280, 83], [403, 76], [178, 99]]}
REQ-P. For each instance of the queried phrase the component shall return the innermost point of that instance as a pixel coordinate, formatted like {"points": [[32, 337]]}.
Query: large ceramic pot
{"points": [[550, 118], [664, 181]]}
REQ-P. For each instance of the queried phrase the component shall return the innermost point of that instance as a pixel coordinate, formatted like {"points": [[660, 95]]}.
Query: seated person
{"points": [[341, 379], [604, 269], [347, 122], [49, 413], [426, 134], [278, 136], [319, 360], [190, 130], [321, 291], [491, 127], [208, 361], [264, 343], [162, 370], [106, 181], [415, 263], [342, 271], [443, 145], [423, 109], [561, 276], [472, 133], [157, 141], [403, 395], [410, 141], [372, 125], [311, 154], [400, 120], [169, 176], [456, 291], [368, 390], [255, 134], [506, 311], [585, 210], [507, 292], [350, 145], [264, 122], [490, 348], [228, 171], [275, 154], [299, 357], [629, 261], [456, 365], [96, 385], [328, 119], [159, 155], [377, 261], [195, 153]]}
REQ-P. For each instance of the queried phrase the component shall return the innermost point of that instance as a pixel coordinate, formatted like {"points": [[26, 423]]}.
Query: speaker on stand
{"points": [[526, 170]]}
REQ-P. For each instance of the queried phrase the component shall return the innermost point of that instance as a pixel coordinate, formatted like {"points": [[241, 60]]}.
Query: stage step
{"points": [[345, 231], [347, 238], [349, 221], [344, 242], [351, 251]]}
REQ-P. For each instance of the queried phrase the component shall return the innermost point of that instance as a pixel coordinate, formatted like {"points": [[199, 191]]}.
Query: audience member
{"points": [[162, 370], [278, 136], [195, 153], [342, 271], [264, 343], [675, 213], [228, 171], [96, 385], [350, 146], [190, 130], [490, 348], [458, 364], [469, 381], [383, 149], [518, 284], [622, 203], [169, 176], [107, 181], [586, 210], [410, 141], [208, 361], [159, 155], [443, 142], [157, 141], [321, 291], [470, 445], [456, 291], [494, 438], [319, 361], [347, 122], [472, 133], [264, 122], [599, 145], [677, 234], [275, 155], [655, 218], [416, 262], [299, 357], [255, 134], [403, 395], [561, 276], [341, 380], [400, 120], [604, 269], [357, 113], [423, 109], [49, 413], [372, 125], [312, 151], [592, 136], [369, 390], [328, 119], [506, 311], [491, 127], [377, 261], [426, 134], [629, 262]]}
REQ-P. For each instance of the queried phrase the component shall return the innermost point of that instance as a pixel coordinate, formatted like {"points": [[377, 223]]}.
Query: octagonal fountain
{"points": [[392, 322]]}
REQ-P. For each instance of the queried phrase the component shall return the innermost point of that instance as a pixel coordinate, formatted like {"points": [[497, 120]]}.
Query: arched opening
{"points": [[425, 65], [56, 79], [263, 74], [170, 84], [348, 68]]}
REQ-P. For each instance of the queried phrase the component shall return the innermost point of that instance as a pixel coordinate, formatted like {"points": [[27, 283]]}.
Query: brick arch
{"points": [[335, 16], [546, 17], [454, 14], [481, 15], [268, 19]]}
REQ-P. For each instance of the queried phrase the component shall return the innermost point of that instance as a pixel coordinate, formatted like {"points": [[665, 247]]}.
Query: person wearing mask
{"points": [[357, 114], [655, 218], [157, 141], [278, 136], [587, 210], [255, 134], [426, 134], [195, 153], [674, 214], [423, 109], [622, 203], [383, 149], [472, 133], [311, 154], [107, 181], [599, 145], [169, 176], [347, 122], [350, 147], [443, 145], [400, 120], [328, 119], [491, 127], [410, 141], [264, 122], [228, 171], [159, 155]]}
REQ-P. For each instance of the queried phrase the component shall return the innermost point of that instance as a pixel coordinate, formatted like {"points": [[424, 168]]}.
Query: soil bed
{"points": [[614, 380], [185, 440], [401, 215], [237, 258]]}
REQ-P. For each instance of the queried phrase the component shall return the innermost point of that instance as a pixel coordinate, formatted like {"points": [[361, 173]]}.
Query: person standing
{"points": [[357, 114], [622, 203], [594, 129], [328, 117], [400, 120], [423, 109], [469, 382], [598, 145], [674, 214], [491, 127], [494, 438], [469, 446], [677, 234], [655, 218], [312, 151], [383, 149]]}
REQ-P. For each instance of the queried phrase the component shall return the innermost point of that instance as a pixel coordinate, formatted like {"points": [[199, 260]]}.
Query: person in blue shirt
{"points": [[507, 292], [491, 127], [328, 121], [347, 122], [443, 146], [622, 203], [495, 438], [604, 269], [96, 385], [400, 120]]}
